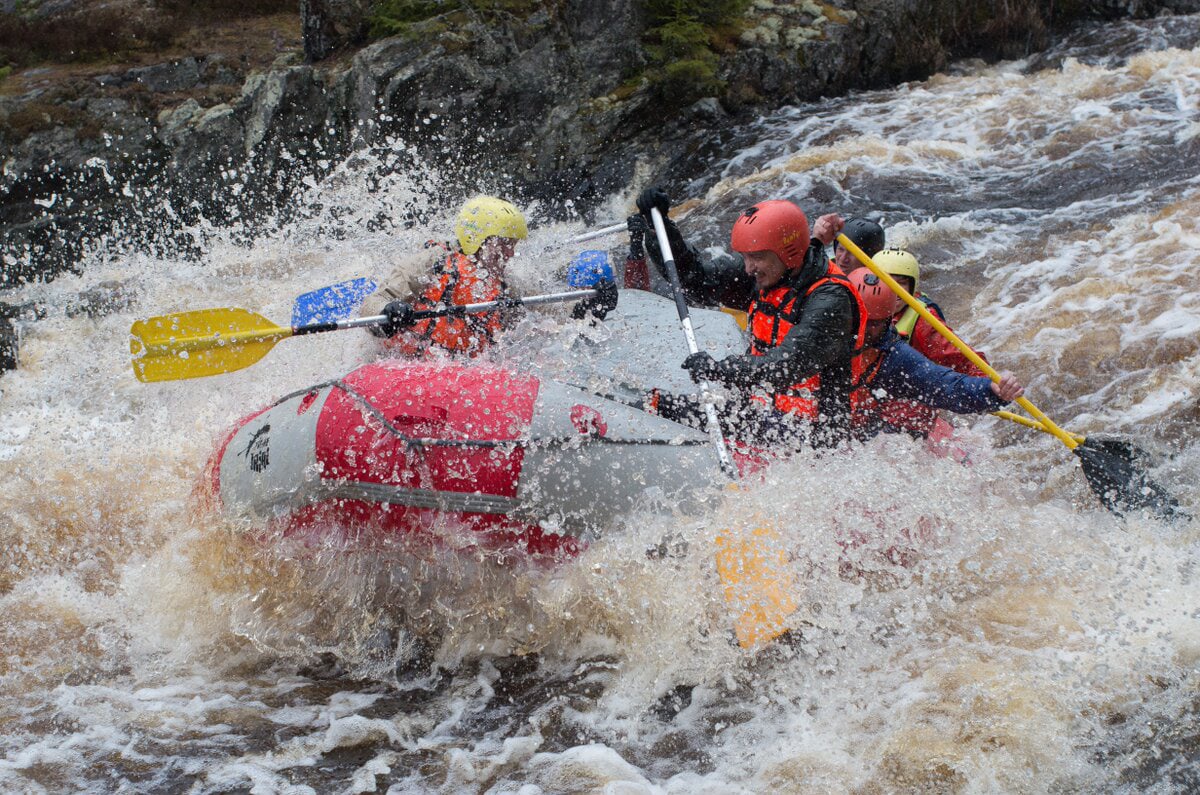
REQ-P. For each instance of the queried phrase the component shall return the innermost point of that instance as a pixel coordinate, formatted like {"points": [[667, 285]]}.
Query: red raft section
{"points": [[400, 449]]}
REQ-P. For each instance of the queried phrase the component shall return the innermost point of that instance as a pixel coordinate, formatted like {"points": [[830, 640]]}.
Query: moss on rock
{"points": [[683, 42]]}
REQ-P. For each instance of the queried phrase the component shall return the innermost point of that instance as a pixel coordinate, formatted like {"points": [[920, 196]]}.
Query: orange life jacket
{"points": [[864, 406], [772, 315], [457, 282]]}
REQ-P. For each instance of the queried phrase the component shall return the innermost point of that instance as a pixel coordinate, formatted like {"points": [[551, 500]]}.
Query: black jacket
{"points": [[820, 342]]}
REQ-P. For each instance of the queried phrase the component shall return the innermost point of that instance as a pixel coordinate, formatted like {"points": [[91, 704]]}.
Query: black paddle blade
{"points": [[1116, 472]]}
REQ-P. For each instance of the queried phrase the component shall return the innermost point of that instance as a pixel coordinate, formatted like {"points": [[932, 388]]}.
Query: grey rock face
{"points": [[330, 24], [10, 337], [8, 345], [559, 106], [165, 77]]}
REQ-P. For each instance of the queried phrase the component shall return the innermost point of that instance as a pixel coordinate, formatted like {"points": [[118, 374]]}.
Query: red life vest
{"points": [[913, 416], [772, 315], [863, 403], [458, 282]]}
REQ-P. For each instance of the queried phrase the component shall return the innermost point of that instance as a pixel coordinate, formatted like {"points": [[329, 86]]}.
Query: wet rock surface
{"points": [[560, 105]]}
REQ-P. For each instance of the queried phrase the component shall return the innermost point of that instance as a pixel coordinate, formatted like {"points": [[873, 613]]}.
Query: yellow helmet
{"points": [[487, 216], [898, 262]]}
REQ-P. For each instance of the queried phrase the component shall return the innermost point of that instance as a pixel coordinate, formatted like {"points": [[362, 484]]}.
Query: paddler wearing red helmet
{"points": [[914, 417], [888, 369], [909, 416], [804, 318]]}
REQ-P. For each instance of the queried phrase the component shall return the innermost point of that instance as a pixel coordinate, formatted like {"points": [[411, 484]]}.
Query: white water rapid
{"points": [[1036, 643]]}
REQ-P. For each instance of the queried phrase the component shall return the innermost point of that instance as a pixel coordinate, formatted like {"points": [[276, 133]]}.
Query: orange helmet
{"points": [[776, 226], [880, 301]]}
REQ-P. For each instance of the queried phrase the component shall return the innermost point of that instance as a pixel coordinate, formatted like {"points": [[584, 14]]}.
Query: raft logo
{"points": [[258, 451]]}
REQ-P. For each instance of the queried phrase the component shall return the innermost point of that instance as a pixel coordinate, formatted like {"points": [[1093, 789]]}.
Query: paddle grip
{"points": [[315, 328]]}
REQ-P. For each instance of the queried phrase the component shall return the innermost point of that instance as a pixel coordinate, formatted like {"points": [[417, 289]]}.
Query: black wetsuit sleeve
{"points": [[706, 281], [823, 336]]}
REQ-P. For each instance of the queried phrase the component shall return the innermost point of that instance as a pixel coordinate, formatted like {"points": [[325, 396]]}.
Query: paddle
{"points": [[1028, 423], [757, 583], [602, 232], [331, 304], [685, 321], [1110, 466], [212, 341], [337, 301]]}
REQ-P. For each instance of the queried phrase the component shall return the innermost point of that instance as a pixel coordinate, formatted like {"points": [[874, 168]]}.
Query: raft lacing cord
{"points": [[421, 441]]}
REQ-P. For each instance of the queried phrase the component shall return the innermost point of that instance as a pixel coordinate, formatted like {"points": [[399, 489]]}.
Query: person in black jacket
{"points": [[805, 319]]}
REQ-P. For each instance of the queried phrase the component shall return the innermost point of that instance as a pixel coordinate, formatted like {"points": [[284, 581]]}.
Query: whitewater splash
{"points": [[1035, 643]]}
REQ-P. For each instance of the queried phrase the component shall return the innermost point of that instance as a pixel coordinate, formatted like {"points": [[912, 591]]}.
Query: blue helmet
{"points": [[589, 268]]}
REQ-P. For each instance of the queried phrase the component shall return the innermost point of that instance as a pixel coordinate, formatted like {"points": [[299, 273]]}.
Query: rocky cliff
{"points": [[558, 100]]}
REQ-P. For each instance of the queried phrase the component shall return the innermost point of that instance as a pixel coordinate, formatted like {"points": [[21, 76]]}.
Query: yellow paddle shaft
{"points": [[1028, 423], [940, 328]]}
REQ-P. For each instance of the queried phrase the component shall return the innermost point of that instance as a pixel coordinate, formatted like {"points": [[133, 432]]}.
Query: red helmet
{"points": [[879, 299], [776, 226]]}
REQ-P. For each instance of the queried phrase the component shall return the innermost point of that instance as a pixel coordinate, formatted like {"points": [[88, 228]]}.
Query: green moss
{"points": [[710, 13], [628, 88], [397, 17], [392, 17], [682, 43], [836, 15], [5, 72], [690, 80]]}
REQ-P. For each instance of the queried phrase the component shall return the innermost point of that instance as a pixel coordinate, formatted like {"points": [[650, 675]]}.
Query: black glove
{"points": [[400, 315], [653, 197], [637, 235], [657, 197], [600, 304], [701, 366]]}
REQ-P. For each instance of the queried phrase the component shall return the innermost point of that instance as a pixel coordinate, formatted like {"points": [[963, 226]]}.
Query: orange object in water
{"points": [[758, 584]]}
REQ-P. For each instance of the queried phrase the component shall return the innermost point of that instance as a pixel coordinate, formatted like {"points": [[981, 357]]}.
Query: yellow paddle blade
{"points": [[758, 584], [741, 317], [200, 343]]}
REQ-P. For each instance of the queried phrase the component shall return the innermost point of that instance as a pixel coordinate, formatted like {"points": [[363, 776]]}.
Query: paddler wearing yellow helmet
{"points": [[488, 230], [887, 372], [913, 417]]}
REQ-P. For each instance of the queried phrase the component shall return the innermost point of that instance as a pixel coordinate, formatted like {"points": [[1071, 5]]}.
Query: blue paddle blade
{"points": [[331, 304]]}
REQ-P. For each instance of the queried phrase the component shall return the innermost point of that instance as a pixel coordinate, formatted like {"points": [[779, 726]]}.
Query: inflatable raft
{"points": [[472, 453]]}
